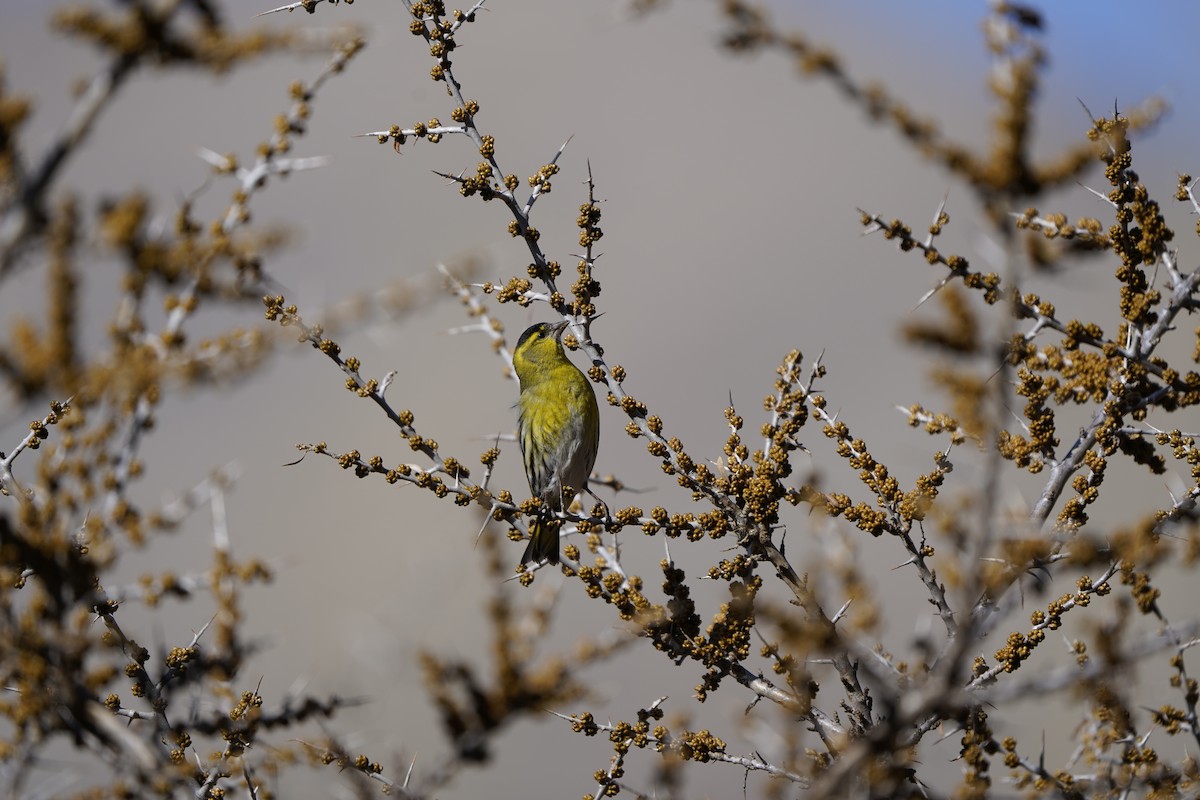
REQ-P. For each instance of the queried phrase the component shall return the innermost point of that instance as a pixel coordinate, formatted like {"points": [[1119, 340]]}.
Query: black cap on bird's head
{"points": [[551, 329]]}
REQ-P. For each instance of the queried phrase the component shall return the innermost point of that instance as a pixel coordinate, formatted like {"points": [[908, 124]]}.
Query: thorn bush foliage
{"points": [[798, 641]]}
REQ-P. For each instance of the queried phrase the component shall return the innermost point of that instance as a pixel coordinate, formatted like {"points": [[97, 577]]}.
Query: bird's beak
{"points": [[558, 328]]}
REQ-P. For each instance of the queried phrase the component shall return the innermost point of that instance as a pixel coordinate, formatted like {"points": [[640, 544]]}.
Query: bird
{"points": [[558, 427]]}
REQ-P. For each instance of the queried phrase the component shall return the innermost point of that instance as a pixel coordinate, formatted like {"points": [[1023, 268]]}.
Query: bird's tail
{"points": [[543, 542]]}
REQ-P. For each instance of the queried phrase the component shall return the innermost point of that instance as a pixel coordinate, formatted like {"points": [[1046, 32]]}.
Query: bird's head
{"points": [[540, 345]]}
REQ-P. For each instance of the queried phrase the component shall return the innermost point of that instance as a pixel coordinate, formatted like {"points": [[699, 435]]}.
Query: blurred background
{"points": [[729, 186]]}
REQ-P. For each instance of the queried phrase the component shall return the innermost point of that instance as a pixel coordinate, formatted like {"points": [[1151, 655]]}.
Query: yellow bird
{"points": [[558, 427]]}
